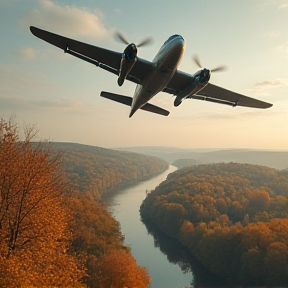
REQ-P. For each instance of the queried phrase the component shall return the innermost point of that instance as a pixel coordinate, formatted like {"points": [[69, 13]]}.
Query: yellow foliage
{"points": [[34, 219]]}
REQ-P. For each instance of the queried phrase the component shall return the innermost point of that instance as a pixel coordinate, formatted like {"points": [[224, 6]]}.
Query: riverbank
{"points": [[125, 208], [110, 192]]}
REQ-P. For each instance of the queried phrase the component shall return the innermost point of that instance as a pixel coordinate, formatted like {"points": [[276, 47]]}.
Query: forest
{"points": [[55, 229], [96, 171], [232, 217]]}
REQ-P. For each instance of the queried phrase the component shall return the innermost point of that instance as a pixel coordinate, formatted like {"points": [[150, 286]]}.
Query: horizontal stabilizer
{"points": [[128, 101], [118, 98]]}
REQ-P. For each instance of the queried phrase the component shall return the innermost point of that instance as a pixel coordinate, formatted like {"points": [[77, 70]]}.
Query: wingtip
{"points": [[268, 105], [33, 29]]}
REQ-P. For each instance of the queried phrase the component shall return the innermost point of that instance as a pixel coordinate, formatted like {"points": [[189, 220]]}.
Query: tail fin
{"points": [[128, 101]]}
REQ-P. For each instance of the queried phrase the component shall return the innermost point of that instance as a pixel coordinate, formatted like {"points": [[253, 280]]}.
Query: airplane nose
{"points": [[181, 43]]}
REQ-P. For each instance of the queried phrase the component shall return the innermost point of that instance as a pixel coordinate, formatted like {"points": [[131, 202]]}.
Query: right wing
{"points": [[101, 57], [212, 93]]}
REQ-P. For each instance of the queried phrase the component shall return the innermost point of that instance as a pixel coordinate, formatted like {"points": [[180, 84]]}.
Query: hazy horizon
{"points": [[178, 148]]}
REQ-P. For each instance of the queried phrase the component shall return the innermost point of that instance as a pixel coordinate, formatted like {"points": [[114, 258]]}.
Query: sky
{"points": [[60, 94]]}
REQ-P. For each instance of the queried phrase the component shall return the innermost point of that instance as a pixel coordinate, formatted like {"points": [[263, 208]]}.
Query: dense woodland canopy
{"points": [[232, 217], [98, 170], [35, 234], [52, 231]]}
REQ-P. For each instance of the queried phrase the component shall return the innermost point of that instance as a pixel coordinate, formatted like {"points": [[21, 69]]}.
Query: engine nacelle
{"points": [[198, 82], [184, 93], [129, 58]]}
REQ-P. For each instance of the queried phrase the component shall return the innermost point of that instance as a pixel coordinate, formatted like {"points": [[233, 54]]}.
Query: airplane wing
{"points": [[220, 95], [213, 93], [103, 58]]}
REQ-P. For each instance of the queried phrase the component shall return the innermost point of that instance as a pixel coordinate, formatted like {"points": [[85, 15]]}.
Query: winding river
{"points": [[145, 248]]}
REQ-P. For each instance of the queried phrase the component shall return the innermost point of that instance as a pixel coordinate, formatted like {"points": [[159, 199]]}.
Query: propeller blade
{"points": [[219, 69], [197, 61], [121, 37], [145, 42]]}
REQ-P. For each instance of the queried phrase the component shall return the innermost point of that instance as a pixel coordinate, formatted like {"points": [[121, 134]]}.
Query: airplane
{"points": [[151, 77]]}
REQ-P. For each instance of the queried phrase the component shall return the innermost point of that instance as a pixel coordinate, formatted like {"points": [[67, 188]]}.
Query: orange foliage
{"points": [[119, 269], [34, 230]]}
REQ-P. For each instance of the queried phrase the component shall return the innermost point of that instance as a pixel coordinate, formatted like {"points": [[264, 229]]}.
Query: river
{"points": [[144, 247]]}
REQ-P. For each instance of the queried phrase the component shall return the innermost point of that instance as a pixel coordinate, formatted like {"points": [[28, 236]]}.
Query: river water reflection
{"points": [[125, 207]]}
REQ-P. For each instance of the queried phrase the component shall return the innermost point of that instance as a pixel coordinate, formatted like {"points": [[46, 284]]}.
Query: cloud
{"points": [[268, 84], [118, 11], [22, 103], [26, 53], [68, 19], [29, 53], [262, 88], [272, 34], [17, 78], [282, 49], [234, 115], [283, 6]]}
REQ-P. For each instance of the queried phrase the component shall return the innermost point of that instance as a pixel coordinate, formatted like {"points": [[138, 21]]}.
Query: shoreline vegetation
{"points": [[232, 217], [55, 229]]}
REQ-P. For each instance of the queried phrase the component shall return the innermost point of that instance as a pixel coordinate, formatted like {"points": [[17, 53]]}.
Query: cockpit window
{"points": [[173, 37]]}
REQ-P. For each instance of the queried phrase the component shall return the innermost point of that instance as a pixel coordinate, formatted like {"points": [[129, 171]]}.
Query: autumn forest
{"points": [[56, 229], [232, 217]]}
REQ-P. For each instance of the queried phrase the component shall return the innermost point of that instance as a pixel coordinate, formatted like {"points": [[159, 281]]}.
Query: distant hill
{"points": [[96, 170], [186, 157], [273, 159], [169, 154]]}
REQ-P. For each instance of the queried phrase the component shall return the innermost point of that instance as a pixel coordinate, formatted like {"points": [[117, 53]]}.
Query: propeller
{"points": [[217, 69], [122, 38]]}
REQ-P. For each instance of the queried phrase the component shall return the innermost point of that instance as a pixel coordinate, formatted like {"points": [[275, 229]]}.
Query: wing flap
{"points": [[128, 101]]}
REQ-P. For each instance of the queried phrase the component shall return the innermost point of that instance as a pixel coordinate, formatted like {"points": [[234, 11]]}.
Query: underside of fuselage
{"points": [[165, 64]]}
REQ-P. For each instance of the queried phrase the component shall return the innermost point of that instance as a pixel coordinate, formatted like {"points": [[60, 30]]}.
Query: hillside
{"points": [[186, 157], [53, 232], [92, 172], [273, 159], [232, 217], [96, 170], [169, 154]]}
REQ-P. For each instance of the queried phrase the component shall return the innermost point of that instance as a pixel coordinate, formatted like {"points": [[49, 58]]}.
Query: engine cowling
{"points": [[128, 60], [198, 82]]}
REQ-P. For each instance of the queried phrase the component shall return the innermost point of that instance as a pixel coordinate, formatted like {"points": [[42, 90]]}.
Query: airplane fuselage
{"points": [[165, 62]]}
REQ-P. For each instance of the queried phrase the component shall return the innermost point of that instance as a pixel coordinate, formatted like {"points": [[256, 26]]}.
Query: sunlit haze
{"points": [[60, 94]]}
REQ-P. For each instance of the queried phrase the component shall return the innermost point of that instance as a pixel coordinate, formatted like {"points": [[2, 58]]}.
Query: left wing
{"points": [[213, 93], [101, 57], [220, 95]]}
